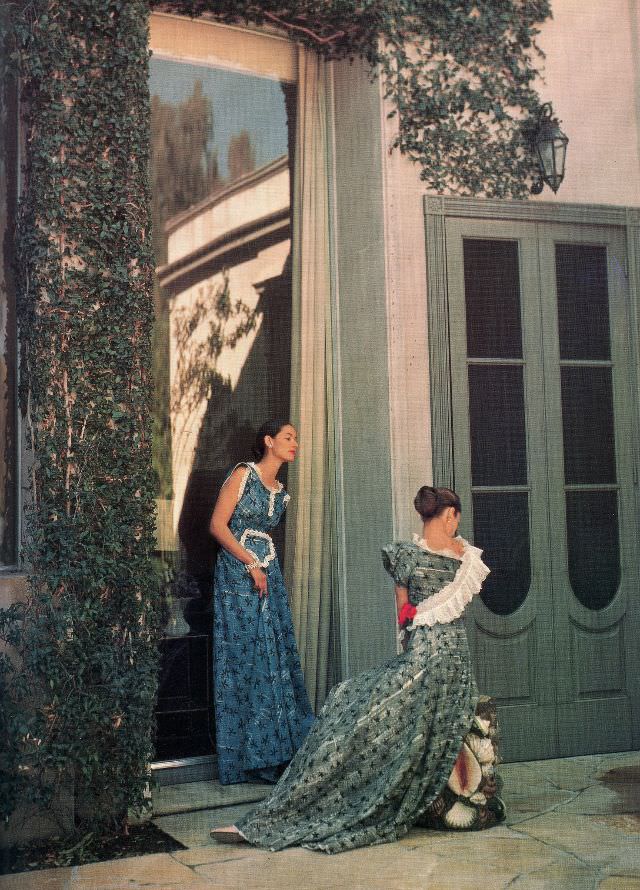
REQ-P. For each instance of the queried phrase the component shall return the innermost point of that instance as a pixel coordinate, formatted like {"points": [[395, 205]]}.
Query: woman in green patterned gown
{"points": [[380, 757]]}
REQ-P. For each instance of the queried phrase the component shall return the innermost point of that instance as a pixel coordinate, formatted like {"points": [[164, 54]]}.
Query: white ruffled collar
{"points": [[450, 602], [422, 544], [273, 492]]}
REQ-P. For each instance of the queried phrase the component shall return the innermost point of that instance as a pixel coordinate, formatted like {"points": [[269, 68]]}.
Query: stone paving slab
{"points": [[558, 876], [417, 862], [536, 799], [547, 842], [158, 869], [422, 859], [620, 882], [573, 773], [627, 822], [192, 829], [47, 879], [356, 869], [211, 854], [601, 799], [596, 841], [504, 855]]}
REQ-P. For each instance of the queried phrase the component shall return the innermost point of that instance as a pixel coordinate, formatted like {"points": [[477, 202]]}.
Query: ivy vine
{"points": [[460, 76], [80, 711]]}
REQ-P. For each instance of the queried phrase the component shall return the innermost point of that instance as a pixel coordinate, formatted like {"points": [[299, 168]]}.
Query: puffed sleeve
{"points": [[399, 560]]}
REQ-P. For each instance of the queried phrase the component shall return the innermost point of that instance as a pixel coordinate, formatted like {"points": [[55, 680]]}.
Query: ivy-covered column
{"points": [[85, 313]]}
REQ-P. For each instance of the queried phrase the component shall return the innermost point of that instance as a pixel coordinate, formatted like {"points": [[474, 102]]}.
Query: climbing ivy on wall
{"points": [[459, 74], [80, 711]]}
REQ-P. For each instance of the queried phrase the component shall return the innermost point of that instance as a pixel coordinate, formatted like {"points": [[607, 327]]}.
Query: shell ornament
{"points": [[470, 800]]}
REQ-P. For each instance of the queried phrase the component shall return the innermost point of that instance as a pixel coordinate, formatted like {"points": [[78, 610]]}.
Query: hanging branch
{"points": [[316, 38]]}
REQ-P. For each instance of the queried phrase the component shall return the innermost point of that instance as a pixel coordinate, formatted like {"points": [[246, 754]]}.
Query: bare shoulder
{"points": [[235, 481], [238, 474]]}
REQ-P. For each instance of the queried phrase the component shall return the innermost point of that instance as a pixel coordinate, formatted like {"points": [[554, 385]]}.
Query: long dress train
{"points": [[386, 741]]}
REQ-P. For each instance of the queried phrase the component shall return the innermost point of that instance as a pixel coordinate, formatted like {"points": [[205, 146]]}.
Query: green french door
{"points": [[543, 423]]}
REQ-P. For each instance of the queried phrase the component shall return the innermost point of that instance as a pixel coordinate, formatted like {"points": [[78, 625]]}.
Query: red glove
{"points": [[406, 614]]}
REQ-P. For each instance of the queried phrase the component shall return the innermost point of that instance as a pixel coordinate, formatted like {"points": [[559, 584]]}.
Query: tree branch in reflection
{"points": [[224, 322]]}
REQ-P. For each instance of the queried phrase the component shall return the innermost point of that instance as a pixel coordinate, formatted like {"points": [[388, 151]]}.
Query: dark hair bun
{"points": [[430, 501], [270, 428]]}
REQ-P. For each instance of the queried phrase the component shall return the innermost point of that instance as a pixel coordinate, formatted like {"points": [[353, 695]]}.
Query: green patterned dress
{"points": [[385, 743]]}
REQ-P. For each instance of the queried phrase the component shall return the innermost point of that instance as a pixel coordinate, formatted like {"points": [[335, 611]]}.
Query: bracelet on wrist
{"points": [[250, 566]]}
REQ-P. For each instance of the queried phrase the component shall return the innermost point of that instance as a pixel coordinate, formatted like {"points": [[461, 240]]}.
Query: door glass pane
{"points": [[184, 698], [492, 295], [221, 184], [501, 526], [583, 303], [593, 546], [497, 422], [587, 422]]}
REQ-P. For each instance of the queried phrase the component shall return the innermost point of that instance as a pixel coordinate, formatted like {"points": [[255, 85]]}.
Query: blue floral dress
{"points": [[380, 754], [262, 711]]}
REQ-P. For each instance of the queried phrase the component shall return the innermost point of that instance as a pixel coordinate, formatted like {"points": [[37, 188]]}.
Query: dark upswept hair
{"points": [[269, 428], [430, 502]]}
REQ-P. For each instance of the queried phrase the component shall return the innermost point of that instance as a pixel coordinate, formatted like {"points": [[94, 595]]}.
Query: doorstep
{"points": [[194, 796]]}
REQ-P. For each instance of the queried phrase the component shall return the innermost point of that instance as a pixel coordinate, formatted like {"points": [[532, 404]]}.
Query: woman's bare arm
{"points": [[402, 597], [219, 526]]}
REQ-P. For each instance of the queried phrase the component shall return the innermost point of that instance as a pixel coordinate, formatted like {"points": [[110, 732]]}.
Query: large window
{"points": [[222, 118]]}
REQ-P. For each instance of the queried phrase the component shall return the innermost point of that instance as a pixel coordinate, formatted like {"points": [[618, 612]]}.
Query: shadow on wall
{"points": [[230, 422]]}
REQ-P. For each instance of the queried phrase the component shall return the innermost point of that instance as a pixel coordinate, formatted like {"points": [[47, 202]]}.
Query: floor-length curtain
{"points": [[310, 549]]}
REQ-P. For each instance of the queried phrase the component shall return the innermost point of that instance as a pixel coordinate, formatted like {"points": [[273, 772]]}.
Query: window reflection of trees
{"points": [[185, 171], [184, 164], [197, 330]]}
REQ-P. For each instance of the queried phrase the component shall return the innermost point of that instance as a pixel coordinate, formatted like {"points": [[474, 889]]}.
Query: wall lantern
{"points": [[550, 146]]}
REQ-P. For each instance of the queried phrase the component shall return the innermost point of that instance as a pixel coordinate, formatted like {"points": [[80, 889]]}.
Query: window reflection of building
{"points": [[227, 286]]}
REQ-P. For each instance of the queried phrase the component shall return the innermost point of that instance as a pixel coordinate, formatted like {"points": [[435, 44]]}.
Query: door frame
{"points": [[440, 215], [582, 712]]}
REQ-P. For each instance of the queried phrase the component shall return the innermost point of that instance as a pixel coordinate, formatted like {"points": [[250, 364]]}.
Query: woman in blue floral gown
{"points": [[262, 711], [401, 744]]}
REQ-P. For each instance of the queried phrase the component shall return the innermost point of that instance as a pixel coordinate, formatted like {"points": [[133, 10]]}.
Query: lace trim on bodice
{"points": [[272, 491], [256, 533], [450, 602], [243, 483]]}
